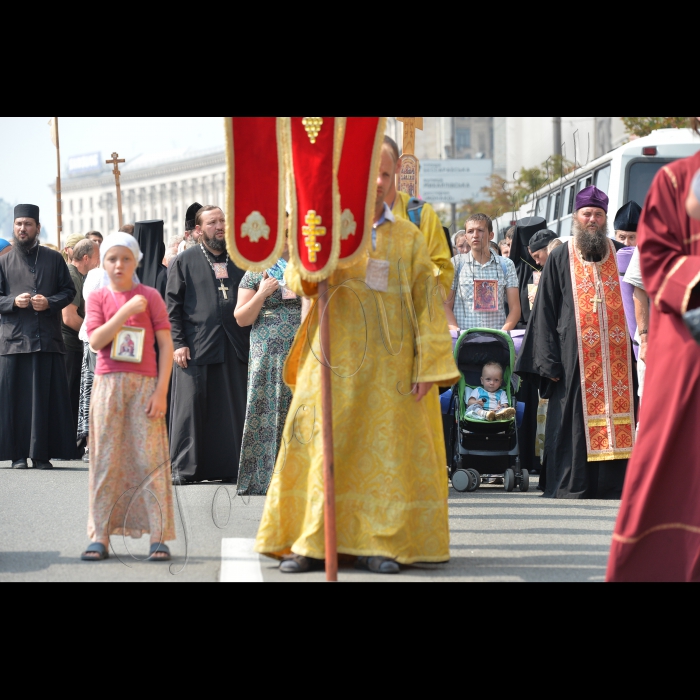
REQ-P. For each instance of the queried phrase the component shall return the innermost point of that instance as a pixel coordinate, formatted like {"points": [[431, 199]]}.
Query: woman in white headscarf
{"points": [[130, 481]]}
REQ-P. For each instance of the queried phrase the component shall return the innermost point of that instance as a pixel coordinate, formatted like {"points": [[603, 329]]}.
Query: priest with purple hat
{"points": [[36, 419], [577, 349]]}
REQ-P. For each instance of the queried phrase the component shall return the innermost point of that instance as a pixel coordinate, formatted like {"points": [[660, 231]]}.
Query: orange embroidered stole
{"points": [[605, 354]]}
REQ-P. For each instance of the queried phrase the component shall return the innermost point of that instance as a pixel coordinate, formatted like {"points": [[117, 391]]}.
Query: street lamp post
{"points": [[557, 136]]}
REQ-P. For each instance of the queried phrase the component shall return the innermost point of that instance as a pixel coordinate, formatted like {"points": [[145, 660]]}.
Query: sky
{"points": [[28, 157]]}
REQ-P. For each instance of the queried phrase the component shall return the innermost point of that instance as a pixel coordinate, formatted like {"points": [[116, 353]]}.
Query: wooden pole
{"points": [[117, 178], [328, 451], [409, 177], [59, 206]]}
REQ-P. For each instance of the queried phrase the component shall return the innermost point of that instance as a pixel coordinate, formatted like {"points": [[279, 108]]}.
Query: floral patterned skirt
{"points": [[131, 491], [268, 398]]}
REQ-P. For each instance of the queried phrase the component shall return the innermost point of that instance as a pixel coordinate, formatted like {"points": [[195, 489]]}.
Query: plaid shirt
{"points": [[467, 270]]}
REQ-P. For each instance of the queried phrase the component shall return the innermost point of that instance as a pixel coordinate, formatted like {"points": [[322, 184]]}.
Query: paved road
{"points": [[495, 537]]}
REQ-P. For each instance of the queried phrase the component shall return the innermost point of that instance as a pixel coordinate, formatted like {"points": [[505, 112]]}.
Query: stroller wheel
{"points": [[476, 478], [525, 483], [462, 481], [509, 479]]}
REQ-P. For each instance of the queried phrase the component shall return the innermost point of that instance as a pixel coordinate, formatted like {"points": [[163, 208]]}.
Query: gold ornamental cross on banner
{"points": [[312, 231], [117, 177]]}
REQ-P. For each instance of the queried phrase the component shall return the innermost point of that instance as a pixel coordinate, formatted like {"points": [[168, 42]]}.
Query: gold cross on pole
{"points": [[410, 124], [409, 177], [224, 290], [312, 231], [117, 175]]}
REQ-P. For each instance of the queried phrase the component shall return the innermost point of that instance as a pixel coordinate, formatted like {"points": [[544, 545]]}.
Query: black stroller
{"points": [[478, 449]]}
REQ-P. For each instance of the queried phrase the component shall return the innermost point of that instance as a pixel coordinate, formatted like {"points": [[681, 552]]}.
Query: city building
{"points": [[526, 142], [154, 186], [163, 185]]}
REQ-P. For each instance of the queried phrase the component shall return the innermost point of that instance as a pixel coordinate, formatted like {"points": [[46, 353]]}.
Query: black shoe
{"points": [[20, 464], [42, 466]]}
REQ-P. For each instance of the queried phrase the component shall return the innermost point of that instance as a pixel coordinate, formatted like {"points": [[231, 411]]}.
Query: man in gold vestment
{"points": [[430, 225], [390, 351]]}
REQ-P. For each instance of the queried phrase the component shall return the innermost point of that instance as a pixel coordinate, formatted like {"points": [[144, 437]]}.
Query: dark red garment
{"points": [[657, 538]]}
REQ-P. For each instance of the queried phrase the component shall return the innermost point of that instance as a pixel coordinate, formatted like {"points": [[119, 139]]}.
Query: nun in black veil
{"points": [[524, 262], [150, 235], [529, 392]]}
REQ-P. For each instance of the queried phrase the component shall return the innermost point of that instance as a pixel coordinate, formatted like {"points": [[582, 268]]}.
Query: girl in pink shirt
{"points": [[130, 482]]}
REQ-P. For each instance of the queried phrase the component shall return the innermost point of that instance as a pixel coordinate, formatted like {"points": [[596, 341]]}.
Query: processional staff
{"points": [[53, 124], [409, 179], [117, 175]]}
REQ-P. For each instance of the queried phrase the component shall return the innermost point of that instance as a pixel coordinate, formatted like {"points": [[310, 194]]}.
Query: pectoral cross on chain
{"points": [[224, 290], [595, 301]]}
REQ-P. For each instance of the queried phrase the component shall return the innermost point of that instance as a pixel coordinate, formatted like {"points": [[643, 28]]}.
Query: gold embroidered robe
{"points": [[390, 462]]}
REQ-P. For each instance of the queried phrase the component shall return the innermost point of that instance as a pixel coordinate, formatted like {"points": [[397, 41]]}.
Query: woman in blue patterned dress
{"points": [[275, 314]]}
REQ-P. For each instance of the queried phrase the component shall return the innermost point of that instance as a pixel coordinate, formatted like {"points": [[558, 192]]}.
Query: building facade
{"points": [[163, 186], [160, 186]]}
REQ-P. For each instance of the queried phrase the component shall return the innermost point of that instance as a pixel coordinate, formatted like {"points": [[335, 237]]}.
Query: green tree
{"points": [[643, 126], [501, 196]]}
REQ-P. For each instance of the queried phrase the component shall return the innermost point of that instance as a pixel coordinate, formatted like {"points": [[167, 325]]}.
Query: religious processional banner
{"points": [[314, 146], [322, 170], [605, 356], [357, 182], [256, 191]]}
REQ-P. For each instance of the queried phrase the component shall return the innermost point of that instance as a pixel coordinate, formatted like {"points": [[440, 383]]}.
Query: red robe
{"points": [[657, 538]]}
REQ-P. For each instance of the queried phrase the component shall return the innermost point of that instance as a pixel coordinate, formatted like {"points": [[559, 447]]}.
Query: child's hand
{"points": [[137, 305], [157, 406]]}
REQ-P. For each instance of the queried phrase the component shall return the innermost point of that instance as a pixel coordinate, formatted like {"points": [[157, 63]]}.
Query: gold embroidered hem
{"points": [[654, 530], [674, 270]]}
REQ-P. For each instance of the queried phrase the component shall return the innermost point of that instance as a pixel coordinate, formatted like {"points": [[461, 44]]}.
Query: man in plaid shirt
{"points": [[484, 283]]}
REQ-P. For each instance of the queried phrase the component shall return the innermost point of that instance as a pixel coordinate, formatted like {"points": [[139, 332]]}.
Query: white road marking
{"points": [[239, 563]]}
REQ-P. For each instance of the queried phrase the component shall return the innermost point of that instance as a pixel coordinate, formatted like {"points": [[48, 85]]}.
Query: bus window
{"points": [[602, 178], [566, 225], [640, 175], [554, 207], [569, 200], [542, 207], [585, 182], [567, 211]]}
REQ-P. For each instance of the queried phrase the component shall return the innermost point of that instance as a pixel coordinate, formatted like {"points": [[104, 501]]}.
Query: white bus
{"points": [[624, 174]]}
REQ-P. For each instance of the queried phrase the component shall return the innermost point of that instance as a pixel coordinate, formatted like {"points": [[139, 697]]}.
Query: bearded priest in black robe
{"points": [[577, 348], [36, 419], [210, 378]]}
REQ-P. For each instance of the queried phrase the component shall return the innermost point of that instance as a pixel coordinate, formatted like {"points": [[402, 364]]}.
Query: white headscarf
{"points": [[119, 240]]}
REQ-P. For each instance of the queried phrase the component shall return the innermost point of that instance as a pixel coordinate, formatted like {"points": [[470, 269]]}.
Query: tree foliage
{"points": [[502, 196], [643, 126]]}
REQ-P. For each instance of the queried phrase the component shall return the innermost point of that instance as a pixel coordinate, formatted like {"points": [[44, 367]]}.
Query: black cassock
{"points": [[36, 419], [208, 404], [550, 350]]}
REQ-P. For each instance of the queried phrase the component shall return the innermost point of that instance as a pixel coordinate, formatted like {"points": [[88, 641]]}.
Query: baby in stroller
{"points": [[490, 403]]}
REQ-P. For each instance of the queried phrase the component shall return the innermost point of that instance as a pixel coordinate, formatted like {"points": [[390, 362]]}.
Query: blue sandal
{"points": [[95, 549], [159, 549]]}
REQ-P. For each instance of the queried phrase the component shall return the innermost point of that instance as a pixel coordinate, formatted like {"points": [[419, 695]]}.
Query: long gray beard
{"points": [[592, 244]]}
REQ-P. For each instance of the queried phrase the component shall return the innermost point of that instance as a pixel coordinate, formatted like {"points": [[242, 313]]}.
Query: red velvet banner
{"points": [[357, 180], [314, 146], [256, 198]]}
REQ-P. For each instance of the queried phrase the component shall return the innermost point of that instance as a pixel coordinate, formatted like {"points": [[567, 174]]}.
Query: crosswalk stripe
{"points": [[239, 563]]}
